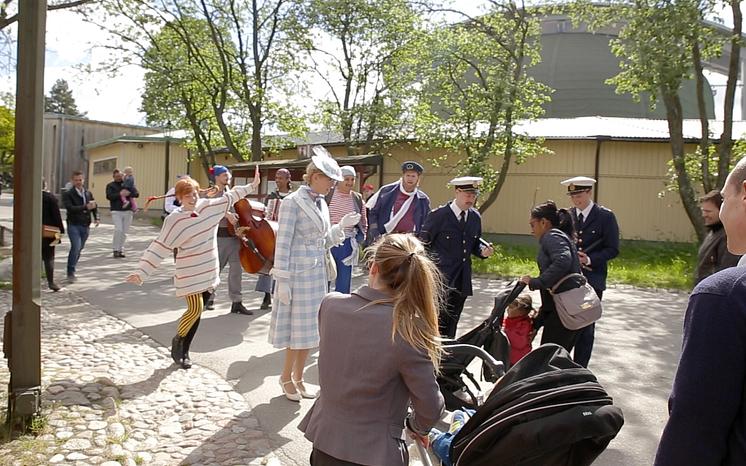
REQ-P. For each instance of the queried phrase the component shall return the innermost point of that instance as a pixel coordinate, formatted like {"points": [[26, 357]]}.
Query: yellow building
{"points": [[146, 155], [628, 157]]}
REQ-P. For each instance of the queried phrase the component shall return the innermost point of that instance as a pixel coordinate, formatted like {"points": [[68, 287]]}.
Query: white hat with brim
{"points": [[467, 183], [578, 184], [323, 160]]}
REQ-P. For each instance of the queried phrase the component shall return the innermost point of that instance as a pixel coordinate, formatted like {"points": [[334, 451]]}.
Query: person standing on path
{"points": [[50, 215], [191, 230], [713, 253], [399, 207], [273, 201], [342, 200], [453, 233], [707, 405], [597, 242], [379, 352], [121, 214], [302, 269], [80, 208], [229, 246]]}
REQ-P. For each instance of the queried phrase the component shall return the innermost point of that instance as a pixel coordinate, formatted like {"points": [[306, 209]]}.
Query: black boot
{"points": [[186, 362], [238, 308], [267, 301], [209, 300], [177, 349]]}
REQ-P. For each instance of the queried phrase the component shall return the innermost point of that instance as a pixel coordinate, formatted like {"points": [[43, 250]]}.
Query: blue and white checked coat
{"points": [[304, 236]]}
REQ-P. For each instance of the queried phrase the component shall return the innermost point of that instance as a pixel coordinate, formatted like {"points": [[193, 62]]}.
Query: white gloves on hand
{"points": [[283, 292], [349, 220]]}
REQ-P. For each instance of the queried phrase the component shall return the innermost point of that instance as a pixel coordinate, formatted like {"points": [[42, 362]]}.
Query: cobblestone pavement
{"points": [[112, 396]]}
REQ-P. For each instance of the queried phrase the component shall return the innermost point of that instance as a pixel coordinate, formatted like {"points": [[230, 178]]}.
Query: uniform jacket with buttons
{"points": [[600, 225], [453, 245]]}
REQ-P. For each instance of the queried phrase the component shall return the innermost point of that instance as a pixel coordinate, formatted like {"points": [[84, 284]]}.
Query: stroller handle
{"points": [[497, 366]]}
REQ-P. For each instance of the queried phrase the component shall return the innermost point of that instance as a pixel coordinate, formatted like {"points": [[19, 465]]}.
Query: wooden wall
{"points": [[148, 161], [63, 141]]}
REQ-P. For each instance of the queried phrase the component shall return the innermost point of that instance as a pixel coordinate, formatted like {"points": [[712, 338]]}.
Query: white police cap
{"points": [[578, 184], [467, 183]]}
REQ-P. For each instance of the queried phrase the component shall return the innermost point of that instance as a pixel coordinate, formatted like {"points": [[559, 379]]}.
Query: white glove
{"points": [[283, 292], [349, 220]]}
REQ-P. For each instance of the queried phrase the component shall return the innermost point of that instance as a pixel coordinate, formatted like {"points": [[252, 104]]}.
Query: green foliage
{"points": [[61, 100], [474, 88], [650, 265], [693, 163], [7, 133], [356, 48]]}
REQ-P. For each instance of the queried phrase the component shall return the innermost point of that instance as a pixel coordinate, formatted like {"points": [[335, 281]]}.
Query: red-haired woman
{"points": [[191, 230]]}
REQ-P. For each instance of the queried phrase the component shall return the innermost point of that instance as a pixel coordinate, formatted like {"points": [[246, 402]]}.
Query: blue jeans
{"points": [[78, 234], [344, 272]]}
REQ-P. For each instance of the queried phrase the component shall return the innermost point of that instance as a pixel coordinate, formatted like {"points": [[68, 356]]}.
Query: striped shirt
{"points": [[193, 233], [342, 204]]}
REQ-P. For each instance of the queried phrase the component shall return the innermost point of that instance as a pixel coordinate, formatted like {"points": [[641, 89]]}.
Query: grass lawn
{"points": [[640, 263]]}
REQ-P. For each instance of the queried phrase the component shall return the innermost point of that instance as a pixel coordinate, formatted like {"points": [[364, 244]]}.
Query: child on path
{"points": [[517, 326], [129, 183]]}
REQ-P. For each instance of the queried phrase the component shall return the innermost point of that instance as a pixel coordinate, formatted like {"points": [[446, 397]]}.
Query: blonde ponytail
{"points": [[416, 286]]}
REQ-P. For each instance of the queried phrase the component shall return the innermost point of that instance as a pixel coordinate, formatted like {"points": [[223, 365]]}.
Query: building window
{"points": [[104, 166]]}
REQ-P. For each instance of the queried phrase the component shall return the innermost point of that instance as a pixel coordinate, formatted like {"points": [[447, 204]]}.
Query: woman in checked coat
{"points": [[304, 236]]}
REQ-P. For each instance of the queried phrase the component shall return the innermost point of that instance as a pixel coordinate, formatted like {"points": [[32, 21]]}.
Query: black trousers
{"points": [[449, 317], [47, 256], [584, 346], [319, 458], [554, 331]]}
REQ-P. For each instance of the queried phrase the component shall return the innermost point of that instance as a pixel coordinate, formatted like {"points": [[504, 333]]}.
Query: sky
{"points": [[116, 99]]}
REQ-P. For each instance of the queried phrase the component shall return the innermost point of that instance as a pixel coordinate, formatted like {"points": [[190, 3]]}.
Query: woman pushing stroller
{"points": [[379, 350]]}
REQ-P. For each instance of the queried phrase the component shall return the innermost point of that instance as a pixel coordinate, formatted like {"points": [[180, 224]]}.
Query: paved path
{"points": [[637, 346]]}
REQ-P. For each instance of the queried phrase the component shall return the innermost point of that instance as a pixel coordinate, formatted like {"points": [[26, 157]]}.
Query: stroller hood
{"points": [[546, 410]]}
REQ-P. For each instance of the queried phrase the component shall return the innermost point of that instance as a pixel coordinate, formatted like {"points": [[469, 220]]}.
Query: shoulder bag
{"points": [[579, 307]]}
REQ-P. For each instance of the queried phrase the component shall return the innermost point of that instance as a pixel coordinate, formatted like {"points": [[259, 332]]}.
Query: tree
{"points": [[354, 50], [474, 88], [661, 44], [9, 13], [61, 100], [7, 133], [222, 66]]}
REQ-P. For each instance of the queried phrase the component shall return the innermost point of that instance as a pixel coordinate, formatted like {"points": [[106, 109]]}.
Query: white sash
{"points": [[389, 227]]}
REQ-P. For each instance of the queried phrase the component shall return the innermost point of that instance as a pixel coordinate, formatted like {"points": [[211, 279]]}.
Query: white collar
{"points": [[457, 210], [586, 212]]}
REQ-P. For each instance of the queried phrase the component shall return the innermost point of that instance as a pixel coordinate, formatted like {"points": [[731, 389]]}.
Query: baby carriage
{"points": [[487, 336], [546, 410]]}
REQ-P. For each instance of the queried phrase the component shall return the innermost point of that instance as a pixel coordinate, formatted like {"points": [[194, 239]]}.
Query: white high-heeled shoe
{"points": [[288, 395], [305, 394]]}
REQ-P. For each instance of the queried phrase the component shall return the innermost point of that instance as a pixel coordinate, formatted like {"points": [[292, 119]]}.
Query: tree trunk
{"points": [[676, 131], [726, 140], [704, 142]]}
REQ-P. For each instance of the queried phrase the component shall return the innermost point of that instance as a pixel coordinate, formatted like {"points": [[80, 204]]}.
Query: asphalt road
{"points": [[637, 341]]}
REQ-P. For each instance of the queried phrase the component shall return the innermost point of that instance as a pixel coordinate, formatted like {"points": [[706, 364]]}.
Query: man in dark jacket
{"points": [[713, 253], [399, 207], [80, 207], [452, 232], [707, 424], [121, 215], [597, 243]]}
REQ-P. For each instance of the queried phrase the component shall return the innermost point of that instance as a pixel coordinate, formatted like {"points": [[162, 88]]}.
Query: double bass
{"points": [[256, 236]]}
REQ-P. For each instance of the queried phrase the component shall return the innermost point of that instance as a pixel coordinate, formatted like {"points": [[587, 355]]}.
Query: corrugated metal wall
{"points": [[148, 164], [632, 178], [63, 141]]}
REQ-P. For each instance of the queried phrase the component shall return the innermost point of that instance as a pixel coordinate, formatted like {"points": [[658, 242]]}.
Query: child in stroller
{"points": [[546, 410], [518, 326]]}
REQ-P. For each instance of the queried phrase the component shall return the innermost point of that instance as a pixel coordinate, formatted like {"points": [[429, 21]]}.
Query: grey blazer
{"points": [[367, 381]]}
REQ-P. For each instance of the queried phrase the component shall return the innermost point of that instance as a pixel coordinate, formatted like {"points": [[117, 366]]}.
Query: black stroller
{"points": [[489, 337]]}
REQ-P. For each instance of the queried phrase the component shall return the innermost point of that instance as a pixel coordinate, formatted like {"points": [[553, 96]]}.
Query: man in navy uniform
{"points": [[452, 232], [598, 243], [399, 207]]}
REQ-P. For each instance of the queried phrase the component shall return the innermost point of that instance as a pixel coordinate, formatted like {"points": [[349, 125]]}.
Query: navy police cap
{"points": [[411, 167]]}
